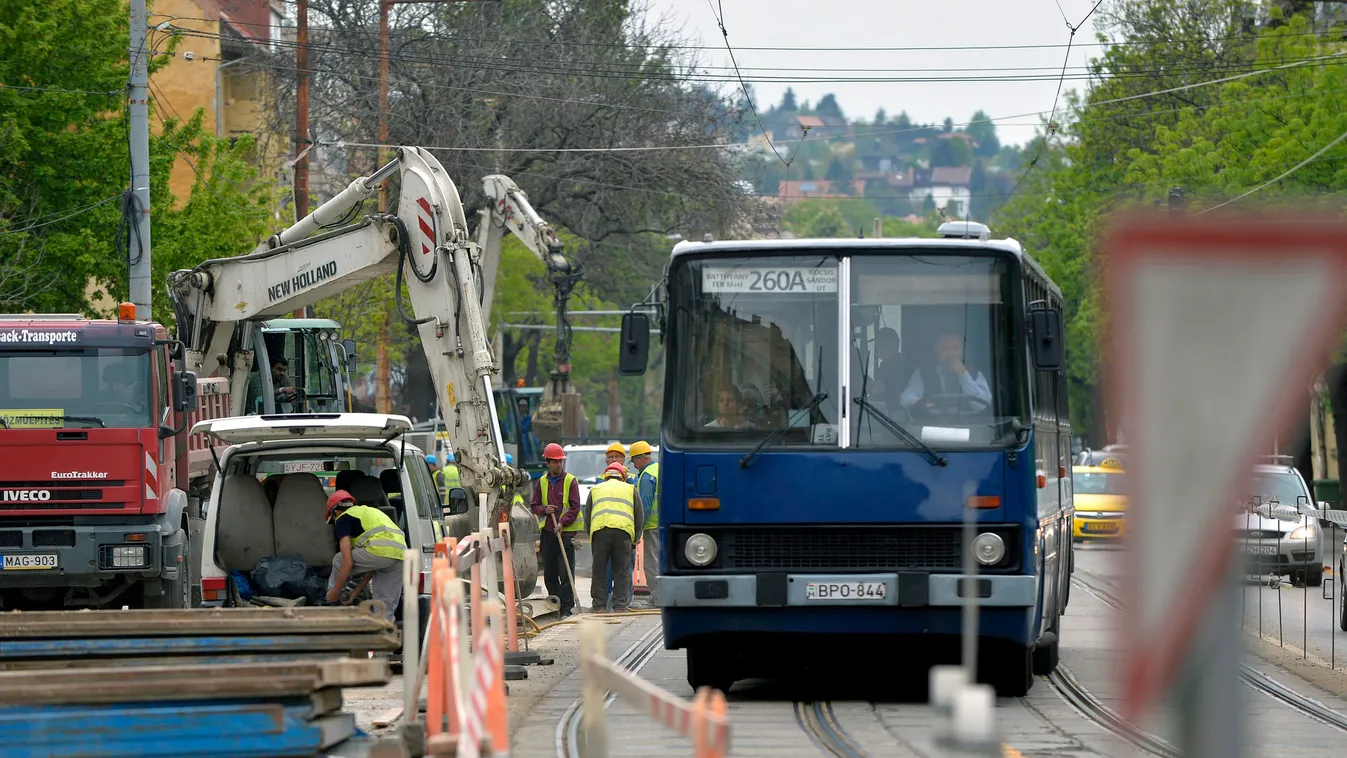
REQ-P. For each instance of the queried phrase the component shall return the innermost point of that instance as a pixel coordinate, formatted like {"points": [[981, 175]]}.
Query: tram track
{"points": [[820, 723], [633, 659], [1251, 676]]}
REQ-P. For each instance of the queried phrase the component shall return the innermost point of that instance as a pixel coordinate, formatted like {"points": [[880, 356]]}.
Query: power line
{"points": [[720, 22], [67, 215], [1197, 40], [1281, 176]]}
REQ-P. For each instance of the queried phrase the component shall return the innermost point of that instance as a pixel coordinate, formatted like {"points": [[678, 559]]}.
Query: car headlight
{"points": [[700, 549], [989, 548], [1306, 532]]}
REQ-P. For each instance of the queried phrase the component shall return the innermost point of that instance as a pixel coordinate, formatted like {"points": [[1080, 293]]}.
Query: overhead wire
{"points": [[64, 215], [61, 90]]}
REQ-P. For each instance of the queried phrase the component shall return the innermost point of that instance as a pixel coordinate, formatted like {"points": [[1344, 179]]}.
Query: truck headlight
{"points": [[1307, 532], [989, 548], [700, 549], [129, 556]]}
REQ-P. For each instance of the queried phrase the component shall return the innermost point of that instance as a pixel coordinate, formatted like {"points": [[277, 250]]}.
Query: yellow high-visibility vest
{"points": [[651, 509], [578, 525], [381, 536], [614, 505]]}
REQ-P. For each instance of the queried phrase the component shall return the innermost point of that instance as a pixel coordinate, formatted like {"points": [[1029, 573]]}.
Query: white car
{"points": [[1279, 537]]}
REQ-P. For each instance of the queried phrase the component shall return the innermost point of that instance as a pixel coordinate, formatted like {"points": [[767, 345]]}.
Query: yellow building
{"points": [[211, 71]]}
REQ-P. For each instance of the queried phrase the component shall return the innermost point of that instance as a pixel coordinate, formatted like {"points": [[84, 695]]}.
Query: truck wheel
{"points": [[177, 592]]}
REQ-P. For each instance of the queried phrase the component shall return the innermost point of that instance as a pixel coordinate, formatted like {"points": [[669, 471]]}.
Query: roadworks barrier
{"points": [[703, 720]]}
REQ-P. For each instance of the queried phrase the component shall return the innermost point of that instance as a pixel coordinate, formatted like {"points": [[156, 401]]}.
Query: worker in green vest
{"points": [[647, 485], [369, 541], [446, 478], [613, 512], [556, 499]]}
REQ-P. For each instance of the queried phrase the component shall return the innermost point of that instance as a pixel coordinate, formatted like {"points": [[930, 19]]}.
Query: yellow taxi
{"points": [[1101, 505]]}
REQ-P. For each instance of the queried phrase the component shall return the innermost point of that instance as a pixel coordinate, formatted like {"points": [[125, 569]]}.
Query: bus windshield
{"points": [[756, 339], [933, 349], [96, 387]]}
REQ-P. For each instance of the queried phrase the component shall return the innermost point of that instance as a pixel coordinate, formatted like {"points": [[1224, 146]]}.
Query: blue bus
{"points": [[831, 408]]}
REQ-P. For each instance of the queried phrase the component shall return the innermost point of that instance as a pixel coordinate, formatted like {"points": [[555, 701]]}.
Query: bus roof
{"points": [[953, 246]]}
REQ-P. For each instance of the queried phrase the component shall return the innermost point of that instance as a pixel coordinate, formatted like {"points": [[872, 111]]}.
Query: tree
{"points": [[951, 152], [64, 160], [880, 117], [788, 104], [928, 205], [983, 132], [839, 173], [948, 126], [828, 107]]}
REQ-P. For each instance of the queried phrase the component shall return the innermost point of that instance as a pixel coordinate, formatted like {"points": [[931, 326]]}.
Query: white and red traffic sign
{"points": [[1215, 327]]}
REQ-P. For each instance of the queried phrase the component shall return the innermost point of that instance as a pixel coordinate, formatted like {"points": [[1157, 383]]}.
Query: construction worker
{"points": [[556, 499], [368, 541], [616, 453], [647, 485], [446, 478], [612, 512]]}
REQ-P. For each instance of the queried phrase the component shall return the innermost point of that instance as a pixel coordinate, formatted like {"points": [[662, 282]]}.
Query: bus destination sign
{"points": [[768, 279]]}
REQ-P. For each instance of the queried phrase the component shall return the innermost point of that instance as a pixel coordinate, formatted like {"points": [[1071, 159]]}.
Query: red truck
{"points": [[95, 462]]}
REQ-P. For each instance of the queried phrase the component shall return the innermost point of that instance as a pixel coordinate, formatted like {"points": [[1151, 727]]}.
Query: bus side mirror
{"points": [[349, 346], [458, 502], [634, 344], [1045, 335], [184, 392]]}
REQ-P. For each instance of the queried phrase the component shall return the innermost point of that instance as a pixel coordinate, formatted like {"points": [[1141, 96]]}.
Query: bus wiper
{"points": [[931, 455], [83, 420], [781, 430]]}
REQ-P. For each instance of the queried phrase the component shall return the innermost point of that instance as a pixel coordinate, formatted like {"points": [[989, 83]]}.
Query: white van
{"points": [[276, 475]]}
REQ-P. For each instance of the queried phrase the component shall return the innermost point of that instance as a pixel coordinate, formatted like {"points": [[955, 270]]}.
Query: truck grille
{"points": [[54, 538], [11, 538]]}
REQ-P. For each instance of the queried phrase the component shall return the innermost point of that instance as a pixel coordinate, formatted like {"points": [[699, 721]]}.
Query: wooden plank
{"points": [[324, 701], [219, 659], [18, 625], [388, 717], [164, 683]]}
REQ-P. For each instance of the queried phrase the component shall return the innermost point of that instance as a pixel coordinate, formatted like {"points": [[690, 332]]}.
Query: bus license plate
{"points": [[22, 562], [846, 591]]}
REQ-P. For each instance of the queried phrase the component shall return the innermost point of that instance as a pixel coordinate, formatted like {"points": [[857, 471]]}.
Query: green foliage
{"points": [[983, 132], [1215, 142], [62, 152]]}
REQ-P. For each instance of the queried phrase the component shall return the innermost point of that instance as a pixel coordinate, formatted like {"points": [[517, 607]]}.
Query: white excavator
{"points": [[425, 243], [508, 208]]}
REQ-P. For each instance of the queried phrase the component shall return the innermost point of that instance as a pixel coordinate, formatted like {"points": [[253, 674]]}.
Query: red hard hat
{"points": [[615, 468], [338, 498], [553, 452]]}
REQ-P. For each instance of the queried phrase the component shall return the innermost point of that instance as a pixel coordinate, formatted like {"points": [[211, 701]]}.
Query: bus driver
{"points": [[951, 378]]}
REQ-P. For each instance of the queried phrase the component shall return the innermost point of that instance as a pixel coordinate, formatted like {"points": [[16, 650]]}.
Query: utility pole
{"points": [[139, 115], [383, 369], [302, 116]]}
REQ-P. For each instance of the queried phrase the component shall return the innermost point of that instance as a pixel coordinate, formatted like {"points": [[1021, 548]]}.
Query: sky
{"points": [[852, 24]]}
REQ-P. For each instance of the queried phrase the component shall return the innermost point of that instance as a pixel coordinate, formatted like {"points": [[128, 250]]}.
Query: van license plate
{"points": [[22, 562], [846, 591]]}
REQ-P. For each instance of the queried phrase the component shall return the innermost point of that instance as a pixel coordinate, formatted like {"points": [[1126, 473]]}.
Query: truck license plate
{"points": [[21, 562], [845, 591]]}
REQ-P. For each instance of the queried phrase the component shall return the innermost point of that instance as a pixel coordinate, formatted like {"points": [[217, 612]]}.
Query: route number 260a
{"points": [[767, 280]]}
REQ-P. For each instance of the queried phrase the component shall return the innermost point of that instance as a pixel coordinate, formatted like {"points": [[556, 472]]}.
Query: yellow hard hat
{"points": [[616, 447], [640, 447]]}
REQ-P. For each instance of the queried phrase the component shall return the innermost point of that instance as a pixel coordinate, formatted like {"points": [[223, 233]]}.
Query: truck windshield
{"points": [[756, 340], [57, 388]]}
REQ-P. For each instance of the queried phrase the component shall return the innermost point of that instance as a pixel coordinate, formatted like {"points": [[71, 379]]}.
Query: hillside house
{"points": [[948, 186]]}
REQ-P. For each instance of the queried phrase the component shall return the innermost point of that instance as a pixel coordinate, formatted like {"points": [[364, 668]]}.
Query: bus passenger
{"points": [[951, 377], [729, 404]]}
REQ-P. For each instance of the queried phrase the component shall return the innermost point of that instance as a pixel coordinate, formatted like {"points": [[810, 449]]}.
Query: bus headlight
{"points": [[700, 549], [989, 548]]}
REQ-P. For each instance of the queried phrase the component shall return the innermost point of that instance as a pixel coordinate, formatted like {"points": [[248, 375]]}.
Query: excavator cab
{"points": [[299, 366], [515, 408]]}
